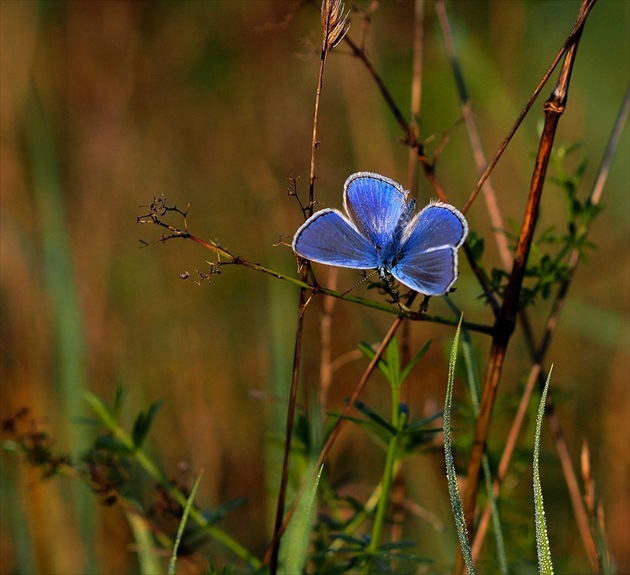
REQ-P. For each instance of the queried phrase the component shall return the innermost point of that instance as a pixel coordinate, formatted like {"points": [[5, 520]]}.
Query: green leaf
{"points": [[545, 565], [414, 361], [143, 423], [369, 352], [118, 399], [375, 417], [147, 550], [224, 509]]}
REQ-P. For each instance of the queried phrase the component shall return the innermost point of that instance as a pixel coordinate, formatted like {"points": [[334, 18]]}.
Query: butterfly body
{"points": [[380, 231]]}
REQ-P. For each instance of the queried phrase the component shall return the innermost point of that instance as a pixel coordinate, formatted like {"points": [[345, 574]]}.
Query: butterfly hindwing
{"points": [[329, 238], [427, 261], [430, 273]]}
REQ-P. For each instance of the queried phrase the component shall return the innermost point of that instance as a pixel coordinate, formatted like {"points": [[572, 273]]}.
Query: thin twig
{"points": [[335, 25], [492, 206], [585, 9]]}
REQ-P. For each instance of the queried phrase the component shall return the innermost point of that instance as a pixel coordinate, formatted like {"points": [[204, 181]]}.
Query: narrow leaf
{"points": [[453, 489], [147, 551], [414, 360], [542, 540], [296, 541], [182, 524], [143, 423]]}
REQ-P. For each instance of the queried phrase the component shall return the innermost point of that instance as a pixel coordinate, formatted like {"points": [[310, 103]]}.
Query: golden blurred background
{"points": [[108, 104]]}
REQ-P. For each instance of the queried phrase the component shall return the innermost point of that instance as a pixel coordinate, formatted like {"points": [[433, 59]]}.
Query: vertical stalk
{"points": [[387, 481], [505, 322], [335, 26]]}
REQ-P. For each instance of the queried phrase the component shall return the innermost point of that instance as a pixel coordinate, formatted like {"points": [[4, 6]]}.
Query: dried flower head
{"points": [[335, 23]]}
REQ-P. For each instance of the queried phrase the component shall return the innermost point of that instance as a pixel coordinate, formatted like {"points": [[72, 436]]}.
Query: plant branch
{"points": [[537, 373], [585, 8], [505, 322]]}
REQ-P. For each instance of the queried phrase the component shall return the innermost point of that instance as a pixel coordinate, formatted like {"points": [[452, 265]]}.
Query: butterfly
{"points": [[380, 231]]}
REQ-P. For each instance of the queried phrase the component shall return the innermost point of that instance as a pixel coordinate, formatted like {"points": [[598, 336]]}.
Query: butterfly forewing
{"points": [[329, 238], [376, 206]]}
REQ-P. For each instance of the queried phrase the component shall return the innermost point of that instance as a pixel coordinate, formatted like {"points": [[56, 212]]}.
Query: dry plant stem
{"points": [[226, 257], [337, 428], [416, 91], [504, 325], [335, 26], [325, 370], [585, 9], [273, 559], [275, 546], [473, 133], [537, 375], [399, 491]]}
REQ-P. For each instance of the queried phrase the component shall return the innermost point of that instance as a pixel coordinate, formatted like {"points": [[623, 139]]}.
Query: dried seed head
{"points": [[335, 23]]}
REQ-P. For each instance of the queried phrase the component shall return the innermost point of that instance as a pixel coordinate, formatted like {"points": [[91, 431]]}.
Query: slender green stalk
{"points": [[182, 524], [388, 477]]}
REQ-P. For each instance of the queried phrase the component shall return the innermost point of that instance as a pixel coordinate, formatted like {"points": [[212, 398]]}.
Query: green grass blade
{"points": [[182, 525], [296, 540], [453, 489], [148, 553], [545, 566]]}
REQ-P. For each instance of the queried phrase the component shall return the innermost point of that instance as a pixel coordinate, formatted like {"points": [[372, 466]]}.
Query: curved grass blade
{"points": [[545, 566], [182, 524], [295, 544], [453, 489]]}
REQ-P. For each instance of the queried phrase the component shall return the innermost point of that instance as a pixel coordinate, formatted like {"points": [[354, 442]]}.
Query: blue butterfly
{"points": [[379, 231]]}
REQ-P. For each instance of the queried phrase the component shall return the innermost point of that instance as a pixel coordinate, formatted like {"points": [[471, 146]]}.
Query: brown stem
{"points": [[504, 326], [537, 375]]}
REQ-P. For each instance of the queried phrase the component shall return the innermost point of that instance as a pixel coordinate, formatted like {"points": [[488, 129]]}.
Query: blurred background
{"points": [[106, 105]]}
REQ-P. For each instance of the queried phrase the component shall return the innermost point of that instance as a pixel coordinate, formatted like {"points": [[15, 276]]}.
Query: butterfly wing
{"points": [[377, 207], [427, 261], [328, 237]]}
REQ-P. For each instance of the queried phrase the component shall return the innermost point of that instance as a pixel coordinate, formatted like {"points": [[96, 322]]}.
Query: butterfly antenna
{"points": [[356, 285]]}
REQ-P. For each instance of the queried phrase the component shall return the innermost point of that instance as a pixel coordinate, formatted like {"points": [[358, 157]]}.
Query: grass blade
{"points": [[182, 524], [545, 566], [296, 541], [453, 489]]}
